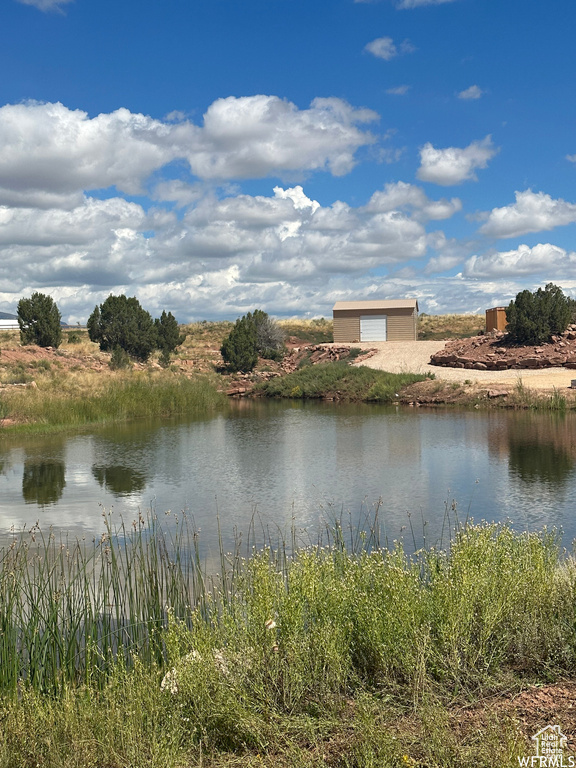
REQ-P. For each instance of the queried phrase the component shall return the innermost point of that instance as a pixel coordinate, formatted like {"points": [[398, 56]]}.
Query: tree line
{"points": [[120, 325]]}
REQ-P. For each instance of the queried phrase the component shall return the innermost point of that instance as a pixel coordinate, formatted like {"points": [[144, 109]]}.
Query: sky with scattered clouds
{"points": [[213, 158]]}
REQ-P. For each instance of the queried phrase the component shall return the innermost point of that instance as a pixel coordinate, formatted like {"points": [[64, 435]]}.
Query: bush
{"points": [[119, 359], [534, 317], [74, 337], [254, 334], [269, 336], [239, 347], [39, 321], [122, 322]]}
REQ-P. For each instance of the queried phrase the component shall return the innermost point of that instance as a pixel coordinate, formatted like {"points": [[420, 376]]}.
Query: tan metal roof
{"points": [[390, 304]]}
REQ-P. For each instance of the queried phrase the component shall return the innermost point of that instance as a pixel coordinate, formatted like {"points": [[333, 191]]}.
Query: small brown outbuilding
{"points": [[496, 319], [393, 320]]}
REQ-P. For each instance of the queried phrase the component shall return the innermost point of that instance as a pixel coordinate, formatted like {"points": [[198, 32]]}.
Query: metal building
{"points": [[8, 322], [394, 320]]}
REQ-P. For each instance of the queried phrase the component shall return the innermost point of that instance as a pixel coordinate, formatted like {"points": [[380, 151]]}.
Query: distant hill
{"points": [[8, 316]]}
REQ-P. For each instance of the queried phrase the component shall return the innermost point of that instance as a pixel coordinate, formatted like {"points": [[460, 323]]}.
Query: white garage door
{"points": [[372, 327]]}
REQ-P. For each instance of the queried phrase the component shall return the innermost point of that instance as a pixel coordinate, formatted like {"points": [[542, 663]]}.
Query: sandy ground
{"points": [[414, 357]]}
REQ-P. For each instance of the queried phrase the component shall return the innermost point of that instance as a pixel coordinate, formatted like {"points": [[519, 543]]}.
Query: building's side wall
{"points": [[346, 327], [402, 324]]}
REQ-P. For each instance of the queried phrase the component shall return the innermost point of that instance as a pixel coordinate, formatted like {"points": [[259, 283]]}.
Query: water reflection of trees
{"points": [[121, 481], [44, 470], [123, 458], [43, 481], [541, 448]]}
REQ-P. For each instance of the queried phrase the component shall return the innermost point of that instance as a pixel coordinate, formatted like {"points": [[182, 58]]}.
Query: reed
{"points": [[81, 399], [530, 399]]}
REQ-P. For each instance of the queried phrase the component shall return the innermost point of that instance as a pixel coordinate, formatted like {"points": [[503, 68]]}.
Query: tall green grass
{"points": [[61, 401], [340, 381], [496, 601], [131, 644]]}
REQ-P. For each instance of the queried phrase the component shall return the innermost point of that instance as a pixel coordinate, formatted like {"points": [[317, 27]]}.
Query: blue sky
{"points": [[214, 157]]}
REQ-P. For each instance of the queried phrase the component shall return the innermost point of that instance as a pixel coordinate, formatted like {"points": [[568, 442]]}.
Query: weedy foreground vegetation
{"points": [[339, 654]]}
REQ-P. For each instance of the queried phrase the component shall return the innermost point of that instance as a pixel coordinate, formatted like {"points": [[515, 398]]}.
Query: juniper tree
{"points": [[256, 333], [168, 336], [39, 320], [121, 322], [534, 317]]}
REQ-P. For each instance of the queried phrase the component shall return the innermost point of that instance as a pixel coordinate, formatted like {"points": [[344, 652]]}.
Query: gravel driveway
{"points": [[414, 357]]}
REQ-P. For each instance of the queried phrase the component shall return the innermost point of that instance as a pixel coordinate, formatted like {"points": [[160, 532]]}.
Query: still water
{"points": [[285, 463]]}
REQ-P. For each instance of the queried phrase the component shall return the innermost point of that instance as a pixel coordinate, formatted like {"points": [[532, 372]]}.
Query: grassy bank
{"points": [[75, 399], [343, 654], [477, 395], [340, 381]]}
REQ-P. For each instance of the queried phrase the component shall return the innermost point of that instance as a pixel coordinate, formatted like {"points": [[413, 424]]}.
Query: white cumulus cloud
{"points": [[472, 93], [49, 149], [522, 261], [404, 196], [532, 212], [255, 136], [222, 248], [385, 48], [49, 154], [454, 165]]}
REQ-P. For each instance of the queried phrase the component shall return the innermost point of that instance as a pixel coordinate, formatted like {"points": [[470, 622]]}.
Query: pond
{"points": [[301, 464]]}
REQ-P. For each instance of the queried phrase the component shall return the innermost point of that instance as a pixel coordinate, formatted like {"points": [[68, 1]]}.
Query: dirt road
{"points": [[414, 357]]}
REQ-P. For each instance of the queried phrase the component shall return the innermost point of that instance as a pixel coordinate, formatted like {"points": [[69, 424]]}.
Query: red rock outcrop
{"points": [[493, 352]]}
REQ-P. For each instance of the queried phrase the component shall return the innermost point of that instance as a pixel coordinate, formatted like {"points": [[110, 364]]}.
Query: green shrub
{"points": [[119, 359], [253, 334], [122, 322], [74, 337], [39, 321], [239, 347], [534, 317]]}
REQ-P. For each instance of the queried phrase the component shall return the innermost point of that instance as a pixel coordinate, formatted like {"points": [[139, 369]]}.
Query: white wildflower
{"points": [[170, 682]]}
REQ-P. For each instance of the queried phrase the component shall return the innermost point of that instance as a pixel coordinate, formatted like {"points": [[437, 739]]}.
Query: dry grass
{"points": [[201, 348], [432, 327], [316, 331]]}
